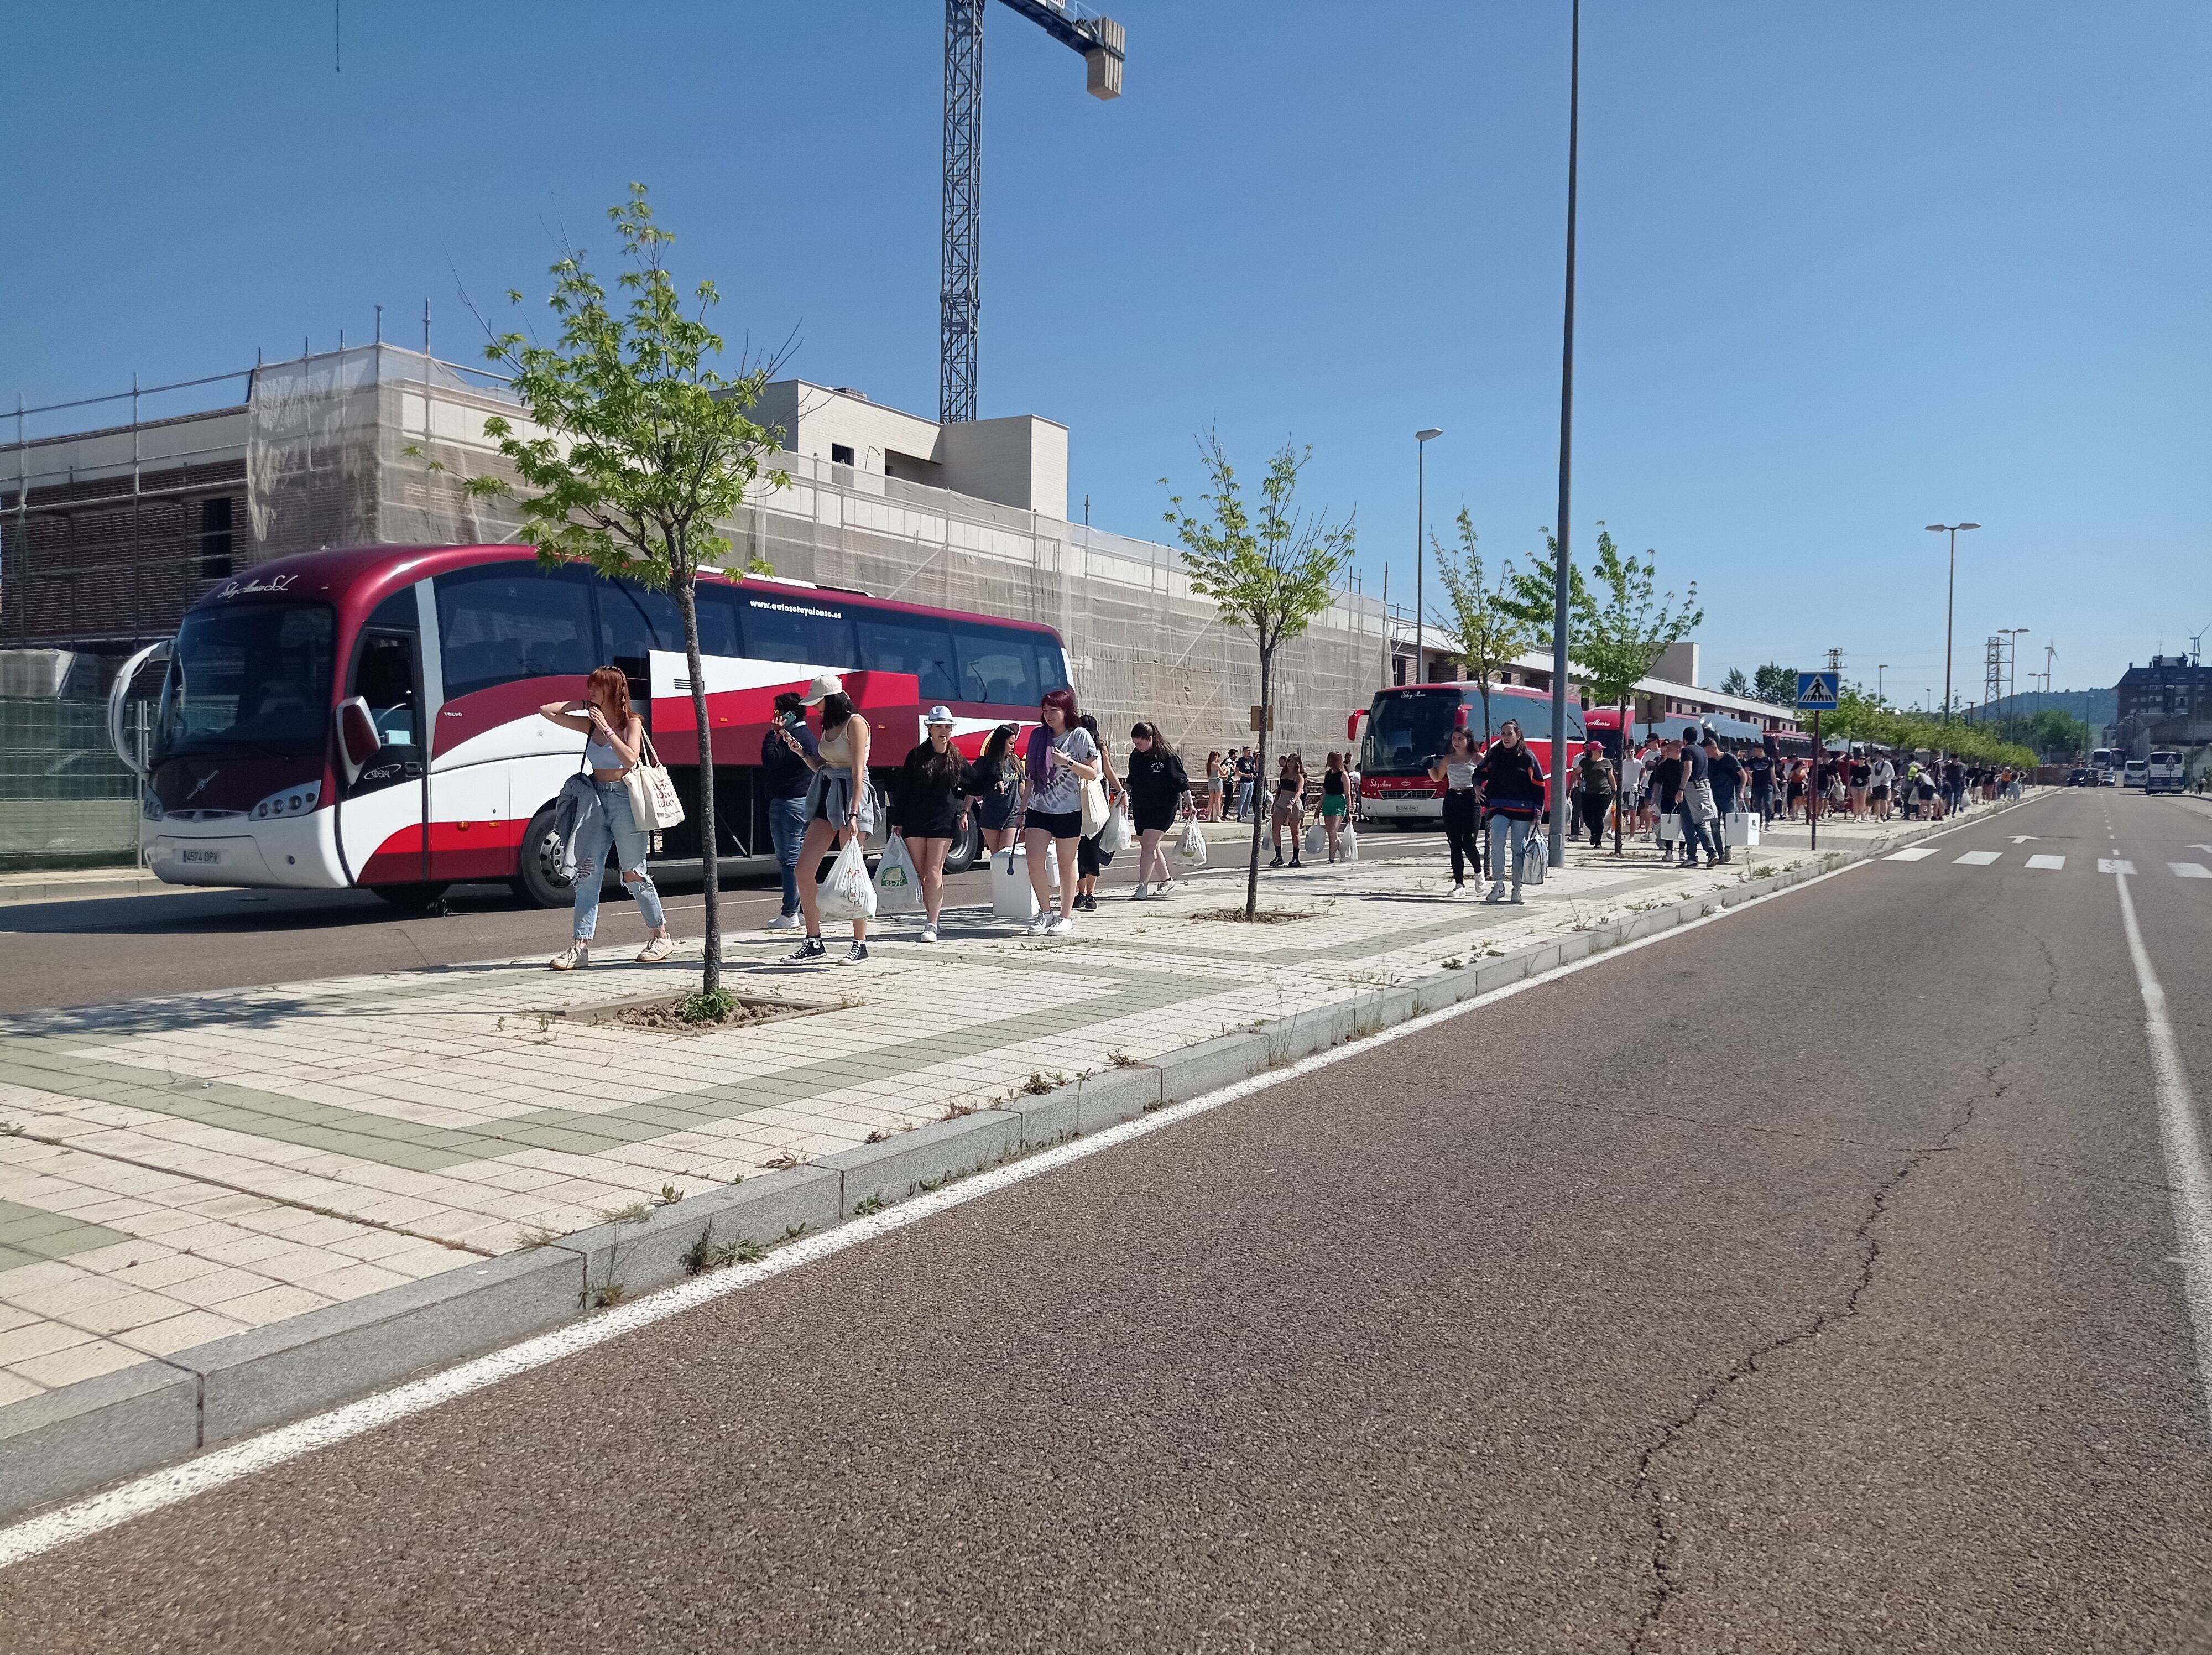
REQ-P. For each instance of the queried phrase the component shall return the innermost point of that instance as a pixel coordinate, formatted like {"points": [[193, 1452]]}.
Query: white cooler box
{"points": [[1741, 827], [1011, 898]]}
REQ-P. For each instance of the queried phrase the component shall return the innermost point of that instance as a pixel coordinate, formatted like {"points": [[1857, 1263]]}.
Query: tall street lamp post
{"points": [[1950, 603], [1556, 850], [1421, 440], [2012, 694], [1880, 668]]}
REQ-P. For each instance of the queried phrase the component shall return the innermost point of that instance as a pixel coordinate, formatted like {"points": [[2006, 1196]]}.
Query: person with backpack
{"points": [[1156, 786], [1061, 758], [1512, 784], [929, 808]]}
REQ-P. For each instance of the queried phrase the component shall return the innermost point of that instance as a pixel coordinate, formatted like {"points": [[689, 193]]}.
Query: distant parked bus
{"points": [[2106, 763], [368, 716], [1408, 725], [2135, 773], [2165, 772]]}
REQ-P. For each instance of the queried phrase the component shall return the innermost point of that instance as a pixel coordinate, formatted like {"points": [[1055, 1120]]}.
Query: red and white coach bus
{"points": [[370, 716], [1408, 725]]}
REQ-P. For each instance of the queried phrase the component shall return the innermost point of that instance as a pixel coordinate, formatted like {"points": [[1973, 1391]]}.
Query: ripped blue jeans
{"points": [[611, 829]]}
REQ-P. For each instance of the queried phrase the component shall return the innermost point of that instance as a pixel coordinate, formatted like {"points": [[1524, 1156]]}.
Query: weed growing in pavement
{"points": [[954, 1111], [711, 1005], [871, 1204], [1037, 1085], [1121, 1060], [636, 1213], [669, 1195], [608, 1294], [795, 1231], [1455, 964], [877, 1136], [783, 1163], [530, 1240]]}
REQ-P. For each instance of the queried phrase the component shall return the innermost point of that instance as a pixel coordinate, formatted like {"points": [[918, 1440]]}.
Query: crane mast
{"points": [[1101, 41]]}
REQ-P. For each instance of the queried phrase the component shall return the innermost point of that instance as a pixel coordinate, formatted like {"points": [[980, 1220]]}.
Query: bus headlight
{"points": [[292, 801]]}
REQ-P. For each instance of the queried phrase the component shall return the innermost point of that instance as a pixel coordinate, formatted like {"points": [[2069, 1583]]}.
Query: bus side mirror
{"points": [[1352, 726], [358, 740], [1459, 716]]}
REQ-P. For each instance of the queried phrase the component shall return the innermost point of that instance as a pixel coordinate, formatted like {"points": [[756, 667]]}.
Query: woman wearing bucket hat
{"points": [[929, 805], [839, 805]]}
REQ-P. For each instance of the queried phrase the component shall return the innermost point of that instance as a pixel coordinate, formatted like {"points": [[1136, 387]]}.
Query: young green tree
{"points": [[1776, 684], [1735, 683], [1622, 625], [1492, 631], [644, 445], [1269, 574]]}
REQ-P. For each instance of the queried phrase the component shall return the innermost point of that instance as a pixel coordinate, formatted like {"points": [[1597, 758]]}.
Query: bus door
{"points": [[383, 807]]}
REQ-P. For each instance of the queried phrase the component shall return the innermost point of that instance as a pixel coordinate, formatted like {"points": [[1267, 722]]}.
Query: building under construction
{"points": [[107, 534]]}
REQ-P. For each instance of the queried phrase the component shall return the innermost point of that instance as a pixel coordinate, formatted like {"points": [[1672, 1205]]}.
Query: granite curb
{"points": [[69, 1442]]}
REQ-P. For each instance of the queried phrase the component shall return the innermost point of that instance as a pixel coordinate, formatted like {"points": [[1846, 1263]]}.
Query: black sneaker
{"points": [[857, 954], [1278, 862], [1295, 863], [809, 950]]}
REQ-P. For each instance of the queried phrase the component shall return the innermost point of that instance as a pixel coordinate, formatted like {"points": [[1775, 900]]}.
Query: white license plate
{"points": [[210, 856]]}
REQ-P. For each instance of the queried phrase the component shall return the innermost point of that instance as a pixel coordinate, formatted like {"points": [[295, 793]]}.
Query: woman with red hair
{"points": [[614, 736], [1061, 758]]}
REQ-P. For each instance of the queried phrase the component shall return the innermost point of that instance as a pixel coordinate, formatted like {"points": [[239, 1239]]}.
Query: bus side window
{"points": [[1002, 664], [910, 643], [634, 620], [802, 628], [499, 623]]}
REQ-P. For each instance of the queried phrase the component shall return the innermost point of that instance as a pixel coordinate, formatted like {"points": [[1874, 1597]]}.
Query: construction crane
{"points": [[1100, 40]]}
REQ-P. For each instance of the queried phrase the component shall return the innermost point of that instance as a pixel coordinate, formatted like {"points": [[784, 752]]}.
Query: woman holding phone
{"points": [[996, 788], [839, 806], [613, 734], [1061, 758]]}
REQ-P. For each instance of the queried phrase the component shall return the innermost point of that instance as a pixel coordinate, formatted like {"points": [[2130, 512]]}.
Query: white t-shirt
{"points": [[1631, 773]]}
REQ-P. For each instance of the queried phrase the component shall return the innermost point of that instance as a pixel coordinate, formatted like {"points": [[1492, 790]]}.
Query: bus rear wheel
{"points": [[537, 879], [967, 849]]}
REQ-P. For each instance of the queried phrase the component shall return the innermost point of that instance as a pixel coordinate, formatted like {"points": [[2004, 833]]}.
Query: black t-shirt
{"points": [[1728, 773], [1247, 769], [1762, 771], [1696, 767], [784, 773], [1667, 780], [1155, 780], [1862, 773]]}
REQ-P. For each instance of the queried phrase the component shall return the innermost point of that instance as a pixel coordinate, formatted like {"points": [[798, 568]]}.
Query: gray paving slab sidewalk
{"points": [[211, 1173]]}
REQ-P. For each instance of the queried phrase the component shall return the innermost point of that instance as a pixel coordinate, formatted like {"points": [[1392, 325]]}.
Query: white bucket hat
{"points": [[825, 685], [939, 714]]}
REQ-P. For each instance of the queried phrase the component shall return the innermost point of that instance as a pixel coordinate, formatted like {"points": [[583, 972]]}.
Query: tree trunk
{"points": [[709, 866], [1263, 792], [1621, 781]]}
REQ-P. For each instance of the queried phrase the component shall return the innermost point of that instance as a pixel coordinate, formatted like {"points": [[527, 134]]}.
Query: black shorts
{"points": [[1157, 820], [1059, 824]]}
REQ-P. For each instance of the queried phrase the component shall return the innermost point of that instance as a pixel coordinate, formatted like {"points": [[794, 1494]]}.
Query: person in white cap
{"points": [[929, 808], [839, 804]]}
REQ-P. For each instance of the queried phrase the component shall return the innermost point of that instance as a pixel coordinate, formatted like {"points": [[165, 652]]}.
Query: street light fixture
{"points": [[1880, 668], [1950, 603], [2012, 694], [1421, 440]]}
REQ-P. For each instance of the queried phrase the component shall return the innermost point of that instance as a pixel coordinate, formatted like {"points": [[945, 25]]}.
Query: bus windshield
{"points": [[254, 679], [1406, 729]]}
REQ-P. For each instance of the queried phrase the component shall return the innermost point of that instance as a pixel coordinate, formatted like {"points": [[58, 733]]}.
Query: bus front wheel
{"points": [[537, 879]]}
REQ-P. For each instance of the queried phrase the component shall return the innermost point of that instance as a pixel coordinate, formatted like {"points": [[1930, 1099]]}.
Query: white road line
{"points": [[2051, 862], [153, 1492], [2114, 865], [1976, 859], [2190, 871], [2191, 1190], [1912, 856]]}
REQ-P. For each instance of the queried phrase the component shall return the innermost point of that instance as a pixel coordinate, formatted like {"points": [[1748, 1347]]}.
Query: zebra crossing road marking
{"points": [[1913, 855], [1976, 859], [2114, 865], [2054, 863], [2190, 871]]}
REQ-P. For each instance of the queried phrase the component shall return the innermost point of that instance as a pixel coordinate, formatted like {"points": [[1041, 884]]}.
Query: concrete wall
{"points": [[1019, 461]]}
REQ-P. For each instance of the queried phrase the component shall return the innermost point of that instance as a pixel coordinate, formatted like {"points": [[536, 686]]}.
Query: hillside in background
{"points": [[2095, 708]]}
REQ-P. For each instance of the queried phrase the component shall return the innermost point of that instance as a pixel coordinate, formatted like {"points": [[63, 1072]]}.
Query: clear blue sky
{"points": [[1847, 268]]}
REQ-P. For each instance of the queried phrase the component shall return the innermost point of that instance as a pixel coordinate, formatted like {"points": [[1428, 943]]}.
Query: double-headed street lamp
{"points": [[1950, 603], [1421, 440]]}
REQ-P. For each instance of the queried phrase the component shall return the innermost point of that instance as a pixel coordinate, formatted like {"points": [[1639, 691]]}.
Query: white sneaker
{"points": [[1061, 925], [1144, 893], [1037, 927], [1163, 889], [784, 922], [929, 932], [1459, 889], [1497, 893], [656, 949], [575, 957]]}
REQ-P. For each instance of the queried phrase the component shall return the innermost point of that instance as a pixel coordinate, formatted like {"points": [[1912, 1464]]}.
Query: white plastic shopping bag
{"points": [[898, 886], [1348, 841], [1010, 896], [847, 893], [1190, 849], [1117, 835], [1741, 827], [1316, 837]]}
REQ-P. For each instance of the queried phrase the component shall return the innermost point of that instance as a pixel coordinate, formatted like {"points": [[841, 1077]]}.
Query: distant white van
{"points": [[2137, 774]]}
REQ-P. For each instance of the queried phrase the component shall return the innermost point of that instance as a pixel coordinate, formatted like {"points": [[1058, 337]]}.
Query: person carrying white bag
{"points": [[929, 811], [841, 812]]}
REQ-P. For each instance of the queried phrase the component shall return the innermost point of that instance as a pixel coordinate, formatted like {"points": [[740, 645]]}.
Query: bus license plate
{"points": [[199, 857]]}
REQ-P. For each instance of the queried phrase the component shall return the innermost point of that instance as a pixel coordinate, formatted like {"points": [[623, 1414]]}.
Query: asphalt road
{"points": [[100, 950], [1804, 1282]]}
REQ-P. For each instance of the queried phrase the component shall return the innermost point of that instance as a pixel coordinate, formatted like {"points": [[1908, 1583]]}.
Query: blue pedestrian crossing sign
{"points": [[1816, 692]]}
